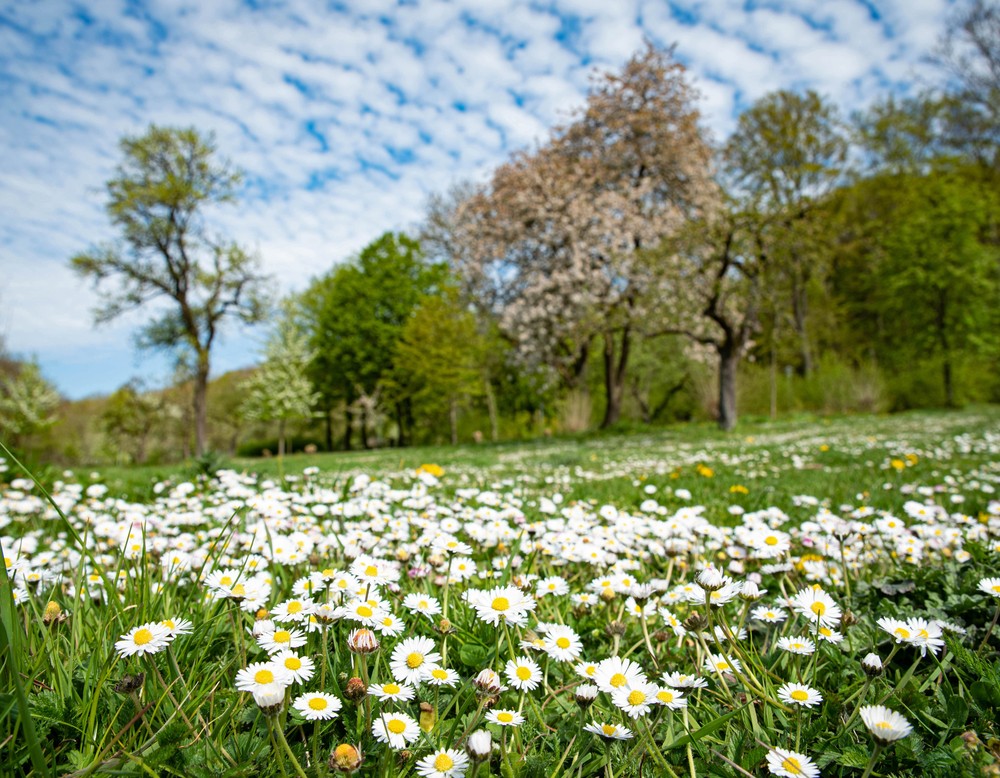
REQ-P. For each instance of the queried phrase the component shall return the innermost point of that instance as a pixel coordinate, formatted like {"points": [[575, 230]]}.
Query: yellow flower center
{"points": [[500, 604], [562, 642], [318, 703], [226, 581], [293, 662], [636, 697], [414, 660], [142, 637], [902, 633], [771, 540], [884, 725], [818, 608], [609, 729], [364, 611], [440, 674], [263, 676], [282, 636], [792, 765], [665, 697], [239, 590], [390, 688], [505, 717], [168, 623], [443, 762], [395, 726], [294, 606], [371, 571], [799, 696], [618, 680], [524, 673]]}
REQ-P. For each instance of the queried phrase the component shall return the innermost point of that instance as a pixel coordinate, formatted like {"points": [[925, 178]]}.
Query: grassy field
{"points": [[159, 621]]}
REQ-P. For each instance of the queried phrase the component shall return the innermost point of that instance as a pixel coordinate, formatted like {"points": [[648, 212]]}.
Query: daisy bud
{"points": [[261, 626], [362, 641], [585, 695], [711, 579], [261, 614], [641, 592], [427, 716], [848, 619], [269, 699], [479, 745], [615, 628], [607, 594], [695, 622], [52, 612], [445, 627], [355, 690], [487, 683], [751, 592], [130, 683], [872, 665], [345, 758]]}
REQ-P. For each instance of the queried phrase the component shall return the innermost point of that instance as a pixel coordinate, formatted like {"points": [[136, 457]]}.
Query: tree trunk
{"points": [[200, 403], [347, 426], [328, 426], [281, 438], [453, 420], [491, 408], [729, 360], [614, 377]]}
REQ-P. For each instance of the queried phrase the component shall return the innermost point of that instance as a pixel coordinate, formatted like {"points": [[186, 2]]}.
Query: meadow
{"points": [[804, 597]]}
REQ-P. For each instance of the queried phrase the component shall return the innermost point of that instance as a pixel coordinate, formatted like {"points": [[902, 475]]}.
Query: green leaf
{"points": [[472, 655]]}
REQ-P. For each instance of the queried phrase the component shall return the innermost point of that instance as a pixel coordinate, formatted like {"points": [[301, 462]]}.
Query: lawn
{"points": [[804, 597]]}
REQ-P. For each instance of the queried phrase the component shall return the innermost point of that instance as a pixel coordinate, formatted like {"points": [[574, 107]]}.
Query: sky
{"points": [[347, 115]]}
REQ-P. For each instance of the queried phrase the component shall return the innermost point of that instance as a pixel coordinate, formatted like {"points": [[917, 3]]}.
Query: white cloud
{"points": [[450, 87]]}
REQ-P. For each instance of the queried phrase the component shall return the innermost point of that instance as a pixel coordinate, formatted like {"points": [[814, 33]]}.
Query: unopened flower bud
{"points": [[751, 592], [130, 683], [445, 627], [479, 745], [270, 698], [362, 641], [872, 665], [355, 690], [345, 758], [607, 594], [427, 716], [848, 619], [52, 612], [695, 622], [487, 684], [711, 579], [585, 695], [615, 628], [641, 592]]}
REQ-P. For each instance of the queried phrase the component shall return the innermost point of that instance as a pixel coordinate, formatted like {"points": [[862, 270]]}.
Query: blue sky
{"points": [[347, 115]]}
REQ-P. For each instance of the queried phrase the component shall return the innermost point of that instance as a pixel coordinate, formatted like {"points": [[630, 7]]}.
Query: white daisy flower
{"points": [[413, 659], [396, 729], [148, 638], [797, 694], [635, 700], [885, 725], [789, 764], [260, 676], [317, 706], [523, 673], [446, 763], [505, 718], [609, 731], [392, 691], [300, 668]]}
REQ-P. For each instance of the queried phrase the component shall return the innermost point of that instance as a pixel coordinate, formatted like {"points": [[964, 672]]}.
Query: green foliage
{"points": [[27, 402]]}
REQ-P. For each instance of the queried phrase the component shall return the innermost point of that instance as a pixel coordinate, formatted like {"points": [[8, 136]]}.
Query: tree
{"points": [[355, 316], [27, 402], [559, 237], [784, 158], [439, 358], [129, 418], [280, 389], [157, 199]]}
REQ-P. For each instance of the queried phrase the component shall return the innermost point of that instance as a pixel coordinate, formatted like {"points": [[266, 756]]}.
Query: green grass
{"points": [[185, 717]]}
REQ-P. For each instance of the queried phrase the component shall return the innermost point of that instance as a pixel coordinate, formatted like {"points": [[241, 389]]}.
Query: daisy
{"points": [[817, 606], [505, 718], [609, 731], [317, 706], [615, 673], [422, 603], [413, 659], [442, 676], [361, 611], [670, 698], [636, 700], [586, 670], [797, 645], [562, 644], [790, 764], [392, 691], [769, 615], [390, 625], [926, 635], [146, 639], [717, 663], [990, 586], [177, 627], [898, 629], [884, 724], [281, 640], [446, 763], [797, 694], [396, 729], [261, 676], [292, 610], [300, 668], [523, 673], [507, 602]]}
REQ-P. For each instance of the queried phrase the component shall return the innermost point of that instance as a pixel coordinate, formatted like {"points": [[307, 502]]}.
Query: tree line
{"points": [[627, 269]]}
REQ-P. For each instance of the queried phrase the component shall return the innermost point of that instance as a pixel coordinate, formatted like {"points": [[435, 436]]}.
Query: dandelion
{"points": [[148, 638], [797, 694], [523, 673], [505, 718], [317, 706], [790, 764], [446, 763], [396, 729]]}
